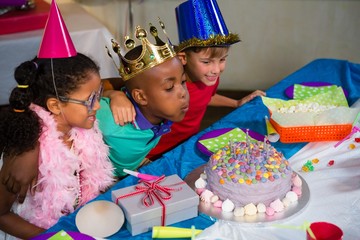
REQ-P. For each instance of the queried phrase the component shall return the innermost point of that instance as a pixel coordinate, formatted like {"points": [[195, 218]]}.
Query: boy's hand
{"points": [[122, 108], [250, 97], [20, 173]]}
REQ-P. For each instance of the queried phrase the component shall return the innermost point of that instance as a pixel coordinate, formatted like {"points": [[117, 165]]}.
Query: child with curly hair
{"points": [[52, 117]]}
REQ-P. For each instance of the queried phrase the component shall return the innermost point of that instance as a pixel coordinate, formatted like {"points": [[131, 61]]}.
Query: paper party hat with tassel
{"points": [[56, 41]]}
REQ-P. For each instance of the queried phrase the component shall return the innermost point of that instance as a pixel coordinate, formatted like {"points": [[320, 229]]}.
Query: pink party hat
{"points": [[56, 41]]}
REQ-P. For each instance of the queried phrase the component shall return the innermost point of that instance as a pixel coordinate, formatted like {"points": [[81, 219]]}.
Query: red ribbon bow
{"points": [[153, 189]]}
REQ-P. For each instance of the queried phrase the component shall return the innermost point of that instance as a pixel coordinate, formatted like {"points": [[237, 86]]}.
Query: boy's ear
{"points": [[139, 96], [182, 57], [54, 106]]}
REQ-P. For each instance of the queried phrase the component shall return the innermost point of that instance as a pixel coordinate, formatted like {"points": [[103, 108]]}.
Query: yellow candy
{"points": [[214, 167], [305, 168], [241, 180], [266, 175], [352, 146], [237, 166], [315, 160]]}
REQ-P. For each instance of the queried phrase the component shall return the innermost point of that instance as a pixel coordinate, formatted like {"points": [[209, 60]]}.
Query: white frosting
{"points": [[286, 201], [277, 205], [200, 183], [239, 211], [250, 209], [228, 206], [218, 204], [297, 182], [203, 176], [206, 196], [292, 196], [214, 198], [261, 208]]}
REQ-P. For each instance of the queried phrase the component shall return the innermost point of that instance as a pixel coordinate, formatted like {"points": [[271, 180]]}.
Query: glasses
{"points": [[95, 96]]}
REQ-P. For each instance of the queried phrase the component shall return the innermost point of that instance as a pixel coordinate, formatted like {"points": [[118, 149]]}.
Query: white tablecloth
{"points": [[334, 196], [88, 34]]}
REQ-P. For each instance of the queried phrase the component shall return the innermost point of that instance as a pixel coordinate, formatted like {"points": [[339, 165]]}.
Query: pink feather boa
{"points": [[58, 187]]}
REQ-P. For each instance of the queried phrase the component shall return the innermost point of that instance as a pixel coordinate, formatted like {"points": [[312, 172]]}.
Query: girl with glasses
{"points": [[52, 116]]}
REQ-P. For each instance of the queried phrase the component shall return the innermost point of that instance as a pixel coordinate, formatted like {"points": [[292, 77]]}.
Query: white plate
{"points": [[99, 219]]}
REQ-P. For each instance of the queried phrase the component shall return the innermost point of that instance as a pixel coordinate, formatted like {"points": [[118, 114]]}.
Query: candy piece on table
{"points": [[331, 162], [308, 167], [174, 232], [143, 176], [357, 140], [352, 146], [315, 160]]}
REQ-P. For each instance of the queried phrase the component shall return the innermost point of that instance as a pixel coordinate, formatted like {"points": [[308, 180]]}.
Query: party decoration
{"points": [[142, 176], [305, 227], [201, 24], [272, 134], [56, 41], [144, 56], [174, 232]]}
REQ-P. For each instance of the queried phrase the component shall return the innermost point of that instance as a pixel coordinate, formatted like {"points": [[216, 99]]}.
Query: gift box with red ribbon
{"points": [[160, 202]]}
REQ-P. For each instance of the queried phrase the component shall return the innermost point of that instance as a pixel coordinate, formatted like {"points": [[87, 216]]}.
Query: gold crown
{"points": [[144, 56]]}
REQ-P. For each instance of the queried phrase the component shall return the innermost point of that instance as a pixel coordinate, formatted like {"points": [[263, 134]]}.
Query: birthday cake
{"points": [[249, 177]]}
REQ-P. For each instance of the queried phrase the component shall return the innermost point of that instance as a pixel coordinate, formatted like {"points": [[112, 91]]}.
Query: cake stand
{"points": [[258, 219]]}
